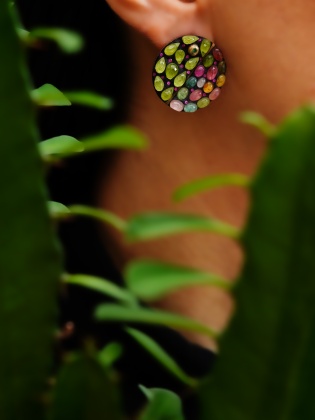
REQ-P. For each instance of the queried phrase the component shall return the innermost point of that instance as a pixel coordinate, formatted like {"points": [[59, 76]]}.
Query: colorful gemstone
{"points": [[171, 48], [190, 39], [191, 82], [208, 87], [193, 50], [177, 105], [205, 46], [217, 54], [179, 55], [201, 82], [160, 65], [191, 63], [158, 84], [167, 94], [203, 102], [182, 93], [196, 95], [199, 71], [221, 80], [222, 67], [208, 60], [180, 79], [212, 72], [171, 71], [215, 94], [190, 107]]}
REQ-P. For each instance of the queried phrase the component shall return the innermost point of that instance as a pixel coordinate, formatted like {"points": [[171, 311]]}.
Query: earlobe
{"points": [[161, 20]]}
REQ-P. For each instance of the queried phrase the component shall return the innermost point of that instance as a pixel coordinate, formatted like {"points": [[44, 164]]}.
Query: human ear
{"points": [[163, 20]]}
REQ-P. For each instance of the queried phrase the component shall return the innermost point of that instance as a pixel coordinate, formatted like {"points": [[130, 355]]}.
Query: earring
{"points": [[189, 73]]}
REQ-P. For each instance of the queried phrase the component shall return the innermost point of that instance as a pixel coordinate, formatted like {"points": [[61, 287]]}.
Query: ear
{"points": [[163, 20]]}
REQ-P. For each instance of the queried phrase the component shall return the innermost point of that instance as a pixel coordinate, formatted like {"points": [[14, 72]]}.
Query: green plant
{"points": [[266, 363]]}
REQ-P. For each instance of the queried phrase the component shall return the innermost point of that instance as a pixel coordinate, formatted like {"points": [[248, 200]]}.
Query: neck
{"points": [[184, 147]]}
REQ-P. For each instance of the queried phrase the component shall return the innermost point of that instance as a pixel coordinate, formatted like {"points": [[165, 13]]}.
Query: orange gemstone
{"points": [[208, 87]]}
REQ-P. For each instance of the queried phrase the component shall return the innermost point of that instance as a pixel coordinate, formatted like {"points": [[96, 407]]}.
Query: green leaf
{"points": [[101, 285], [49, 95], [258, 121], [150, 226], [111, 312], [68, 41], [84, 392], [163, 405], [57, 146], [210, 183], [120, 137], [57, 210], [151, 280], [161, 356], [98, 214], [30, 263], [90, 99], [110, 354], [267, 365]]}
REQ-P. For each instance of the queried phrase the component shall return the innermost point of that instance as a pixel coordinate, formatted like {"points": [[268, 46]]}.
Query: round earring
{"points": [[189, 73]]}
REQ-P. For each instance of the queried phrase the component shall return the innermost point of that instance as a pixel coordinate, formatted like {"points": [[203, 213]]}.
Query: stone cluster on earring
{"points": [[189, 73]]}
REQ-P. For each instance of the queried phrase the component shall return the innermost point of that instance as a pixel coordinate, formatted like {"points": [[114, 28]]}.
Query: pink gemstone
{"points": [[214, 94], [212, 72], [176, 89], [177, 105], [217, 54], [187, 56], [170, 60], [196, 95], [188, 72], [161, 55], [168, 83], [181, 66], [199, 71]]}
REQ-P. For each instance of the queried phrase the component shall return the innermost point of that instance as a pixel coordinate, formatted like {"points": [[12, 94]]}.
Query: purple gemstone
{"points": [[191, 90], [215, 63], [200, 39], [170, 60], [205, 75], [188, 72], [181, 66], [187, 56], [186, 102], [204, 94], [183, 45], [162, 77], [161, 55], [154, 74], [176, 89], [168, 83], [214, 80]]}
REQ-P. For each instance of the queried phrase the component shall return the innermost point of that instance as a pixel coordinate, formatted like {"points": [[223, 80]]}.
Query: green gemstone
{"points": [[170, 49], [158, 84], [167, 94], [179, 55], [182, 93], [203, 102], [191, 82], [205, 46], [208, 60], [171, 71], [191, 63], [180, 79], [189, 39], [160, 65], [222, 67], [190, 107]]}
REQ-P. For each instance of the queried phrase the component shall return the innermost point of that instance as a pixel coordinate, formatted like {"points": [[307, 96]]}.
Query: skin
{"points": [[268, 47]]}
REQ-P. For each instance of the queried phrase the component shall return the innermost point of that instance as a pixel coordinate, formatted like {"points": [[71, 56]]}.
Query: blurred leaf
{"points": [[49, 95], [157, 225], [84, 392], [120, 137], [60, 145], [151, 280], [260, 122], [111, 312], [30, 263], [210, 183], [101, 285], [110, 354], [163, 405], [267, 365], [57, 209], [68, 41], [98, 214], [161, 356], [90, 99]]}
